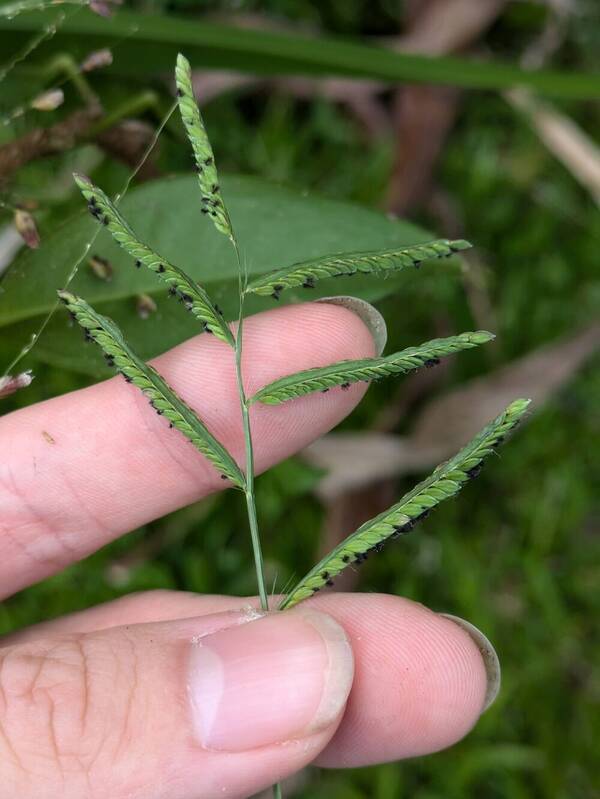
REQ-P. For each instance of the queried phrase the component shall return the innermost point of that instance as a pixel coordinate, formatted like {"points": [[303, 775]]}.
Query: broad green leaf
{"points": [[275, 226], [191, 293], [158, 39], [161, 396], [445, 482], [347, 264], [208, 179], [344, 373]]}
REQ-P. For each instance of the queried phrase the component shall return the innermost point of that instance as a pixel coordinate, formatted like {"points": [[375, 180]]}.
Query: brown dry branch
{"points": [[42, 142], [424, 115], [562, 137], [127, 141]]}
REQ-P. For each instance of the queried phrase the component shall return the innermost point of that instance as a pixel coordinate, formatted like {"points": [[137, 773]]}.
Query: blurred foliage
{"points": [[518, 554]]}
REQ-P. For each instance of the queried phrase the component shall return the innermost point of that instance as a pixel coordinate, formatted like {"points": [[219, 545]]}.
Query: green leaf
{"points": [[193, 296], [344, 373], [162, 397], [378, 262], [158, 39], [208, 179], [445, 482], [274, 225]]}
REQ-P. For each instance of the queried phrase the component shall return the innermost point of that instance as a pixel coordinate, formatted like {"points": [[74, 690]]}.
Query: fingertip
{"points": [[420, 681]]}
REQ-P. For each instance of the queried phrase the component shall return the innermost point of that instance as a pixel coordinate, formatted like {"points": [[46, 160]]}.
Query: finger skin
{"points": [[108, 714], [419, 682], [79, 470]]}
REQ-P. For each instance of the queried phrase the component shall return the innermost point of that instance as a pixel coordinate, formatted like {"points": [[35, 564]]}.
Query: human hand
{"points": [[168, 695]]}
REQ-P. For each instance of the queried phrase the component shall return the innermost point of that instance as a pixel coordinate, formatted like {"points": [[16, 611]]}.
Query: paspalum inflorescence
{"points": [[446, 480]]}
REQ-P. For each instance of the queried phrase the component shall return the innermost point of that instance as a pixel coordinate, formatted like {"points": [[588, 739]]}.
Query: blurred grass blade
{"points": [[163, 399], [344, 373], [194, 297], [212, 203], [446, 481], [158, 39], [379, 262]]}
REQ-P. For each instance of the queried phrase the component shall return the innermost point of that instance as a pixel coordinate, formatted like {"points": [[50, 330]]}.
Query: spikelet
{"points": [[193, 296], [344, 373], [212, 203], [446, 481], [161, 396], [380, 262]]}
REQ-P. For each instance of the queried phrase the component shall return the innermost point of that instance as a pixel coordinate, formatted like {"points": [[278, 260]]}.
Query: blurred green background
{"points": [[518, 553]]}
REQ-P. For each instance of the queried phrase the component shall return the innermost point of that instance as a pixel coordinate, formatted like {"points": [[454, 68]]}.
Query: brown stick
{"points": [[42, 142]]}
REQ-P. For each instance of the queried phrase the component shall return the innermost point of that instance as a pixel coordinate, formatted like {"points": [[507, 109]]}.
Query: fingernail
{"points": [[488, 653], [285, 676], [367, 313]]}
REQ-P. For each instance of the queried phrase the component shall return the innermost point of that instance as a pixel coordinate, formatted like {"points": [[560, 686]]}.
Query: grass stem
{"points": [[244, 404]]}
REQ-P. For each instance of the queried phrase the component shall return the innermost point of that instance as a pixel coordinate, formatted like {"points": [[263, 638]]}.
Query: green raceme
{"points": [[380, 262], [211, 201], [445, 482], [193, 296], [344, 373], [161, 396]]}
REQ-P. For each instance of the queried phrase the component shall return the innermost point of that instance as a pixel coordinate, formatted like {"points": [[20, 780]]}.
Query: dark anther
{"points": [[223, 477], [346, 558], [315, 590], [105, 221], [431, 362], [325, 575], [218, 310], [309, 283], [138, 263], [204, 210], [475, 471], [345, 386], [161, 268], [172, 291], [423, 515], [329, 583], [416, 264], [179, 92], [208, 161], [401, 529], [214, 188], [324, 390], [277, 289]]}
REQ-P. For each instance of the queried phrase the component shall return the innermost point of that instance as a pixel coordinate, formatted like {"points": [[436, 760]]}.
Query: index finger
{"points": [[80, 470]]}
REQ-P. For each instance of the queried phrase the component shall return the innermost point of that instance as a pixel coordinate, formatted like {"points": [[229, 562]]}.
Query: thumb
{"points": [[186, 708]]}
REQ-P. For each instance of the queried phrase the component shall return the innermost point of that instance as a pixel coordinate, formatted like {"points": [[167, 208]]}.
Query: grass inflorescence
{"points": [[447, 479]]}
